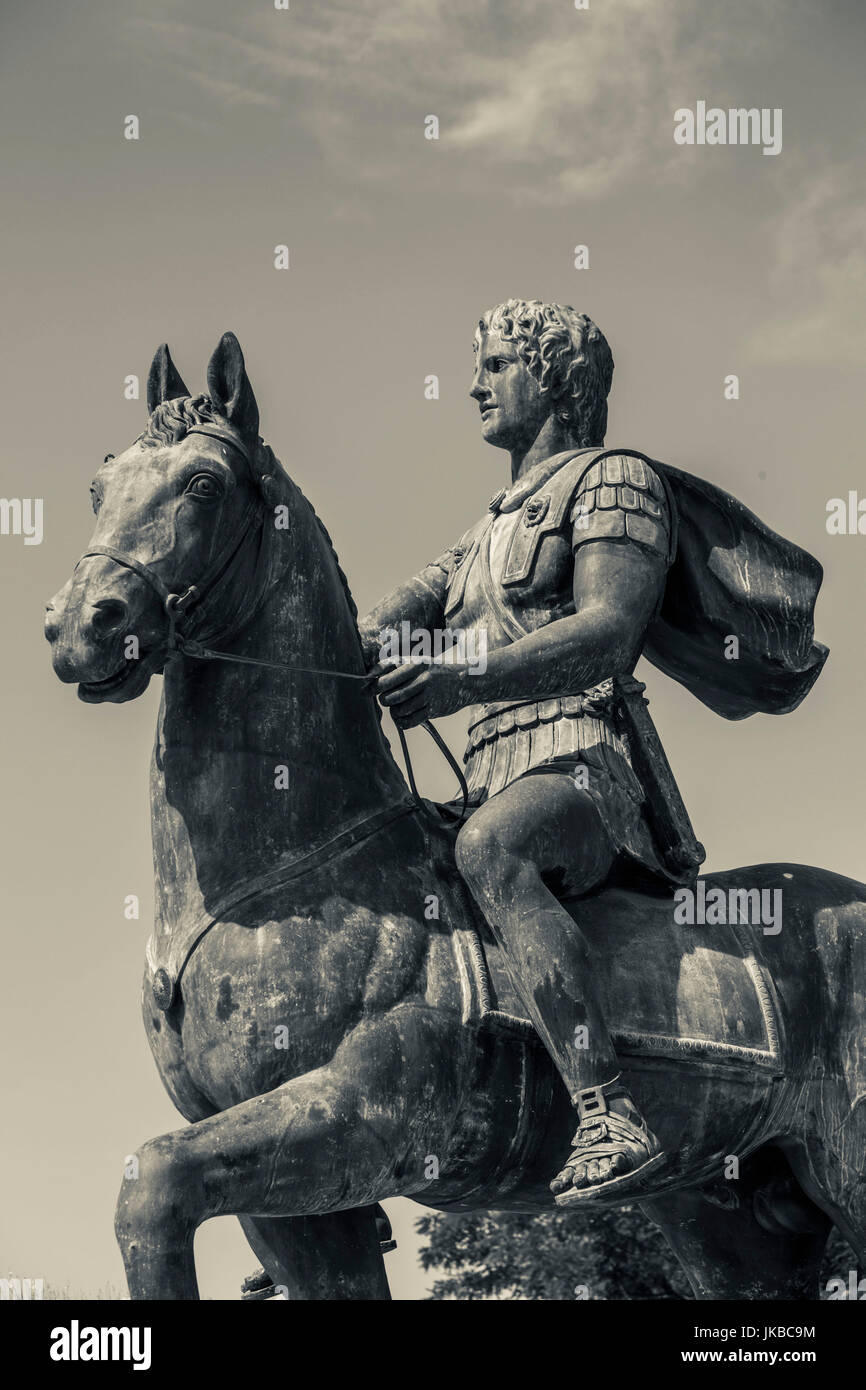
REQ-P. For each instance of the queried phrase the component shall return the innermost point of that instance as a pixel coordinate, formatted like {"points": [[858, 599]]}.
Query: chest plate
{"points": [[522, 551]]}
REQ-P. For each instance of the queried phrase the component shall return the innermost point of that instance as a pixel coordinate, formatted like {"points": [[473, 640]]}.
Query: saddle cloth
{"points": [[697, 993]]}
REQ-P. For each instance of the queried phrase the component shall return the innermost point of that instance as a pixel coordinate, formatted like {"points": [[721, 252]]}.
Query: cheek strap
{"points": [[175, 603]]}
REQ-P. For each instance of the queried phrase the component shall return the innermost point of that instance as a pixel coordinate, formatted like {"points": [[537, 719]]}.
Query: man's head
{"points": [[534, 361]]}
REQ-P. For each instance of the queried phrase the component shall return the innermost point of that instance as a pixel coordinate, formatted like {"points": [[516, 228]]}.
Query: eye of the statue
{"points": [[205, 486], [496, 364], [95, 498]]}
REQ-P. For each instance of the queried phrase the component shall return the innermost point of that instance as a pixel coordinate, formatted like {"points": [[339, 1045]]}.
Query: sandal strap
{"points": [[604, 1138], [592, 1100]]}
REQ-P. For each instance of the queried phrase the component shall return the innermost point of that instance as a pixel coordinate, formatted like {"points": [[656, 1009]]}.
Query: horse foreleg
{"points": [[338, 1138], [304, 1145], [332, 1257]]}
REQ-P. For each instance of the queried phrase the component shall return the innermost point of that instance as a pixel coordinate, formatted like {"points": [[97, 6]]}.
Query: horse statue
{"points": [[324, 1003]]}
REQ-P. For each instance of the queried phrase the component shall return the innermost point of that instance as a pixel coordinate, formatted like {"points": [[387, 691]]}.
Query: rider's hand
{"points": [[420, 688]]}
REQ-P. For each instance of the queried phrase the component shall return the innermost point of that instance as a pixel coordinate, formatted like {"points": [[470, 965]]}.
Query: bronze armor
{"points": [[512, 573]]}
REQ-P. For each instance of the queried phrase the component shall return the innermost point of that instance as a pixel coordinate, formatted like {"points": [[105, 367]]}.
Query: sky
{"points": [[306, 128]]}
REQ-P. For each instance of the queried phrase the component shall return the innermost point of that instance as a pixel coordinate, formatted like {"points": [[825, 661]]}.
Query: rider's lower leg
{"points": [[612, 1138], [548, 960]]}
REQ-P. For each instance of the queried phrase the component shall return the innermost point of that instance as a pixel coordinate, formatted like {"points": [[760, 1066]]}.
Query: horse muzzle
{"points": [[96, 645]]}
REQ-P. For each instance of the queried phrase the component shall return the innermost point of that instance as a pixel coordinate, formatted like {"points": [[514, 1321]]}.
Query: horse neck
{"points": [[254, 766]]}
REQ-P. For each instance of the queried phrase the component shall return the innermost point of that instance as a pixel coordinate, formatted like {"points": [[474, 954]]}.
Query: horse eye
{"points": [[204, 485], [95, 500]]}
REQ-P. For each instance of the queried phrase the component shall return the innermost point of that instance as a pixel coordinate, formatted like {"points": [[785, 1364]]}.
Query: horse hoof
{"points": [[257, 1286]]}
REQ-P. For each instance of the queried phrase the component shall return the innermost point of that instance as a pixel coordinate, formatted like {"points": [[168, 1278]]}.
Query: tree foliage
{"points": [[612, 1254], [615, 1254]]}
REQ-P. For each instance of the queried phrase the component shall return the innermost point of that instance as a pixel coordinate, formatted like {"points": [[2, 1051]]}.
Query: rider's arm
{"points": [[620, 536], [420, 602]]}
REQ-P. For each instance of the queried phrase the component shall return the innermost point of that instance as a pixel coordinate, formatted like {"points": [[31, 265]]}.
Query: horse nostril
{"points": [[109, 615]]}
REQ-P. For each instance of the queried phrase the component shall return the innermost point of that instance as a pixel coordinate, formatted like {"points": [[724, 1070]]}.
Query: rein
{"points": [[182, 646], [175, 606]]}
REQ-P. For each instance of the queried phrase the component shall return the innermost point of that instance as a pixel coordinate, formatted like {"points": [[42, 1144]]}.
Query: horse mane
{"points": [[172, 420]]}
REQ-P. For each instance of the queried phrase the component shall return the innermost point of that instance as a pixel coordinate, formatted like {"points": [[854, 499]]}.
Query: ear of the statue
{"points": [[164, 381], [229, 388]]}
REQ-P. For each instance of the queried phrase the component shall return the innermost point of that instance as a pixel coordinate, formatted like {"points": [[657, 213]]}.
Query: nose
{"points": [[478, 390], [52, 622], [104, 619], [87, 621], [55, 610], [108, 617]]}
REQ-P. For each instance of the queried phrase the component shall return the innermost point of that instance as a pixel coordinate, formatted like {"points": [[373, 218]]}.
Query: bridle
{"points": [[176, 606]]}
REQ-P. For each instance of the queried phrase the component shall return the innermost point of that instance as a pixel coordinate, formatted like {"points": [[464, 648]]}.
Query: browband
{"points": [[224, 437]]}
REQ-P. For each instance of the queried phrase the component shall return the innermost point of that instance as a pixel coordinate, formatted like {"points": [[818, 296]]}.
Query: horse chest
{"points": [[260, 1006]]}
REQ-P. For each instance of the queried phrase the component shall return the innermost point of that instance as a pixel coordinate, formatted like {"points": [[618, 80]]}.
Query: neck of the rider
{"points": [[255, 767], [554, 437]]}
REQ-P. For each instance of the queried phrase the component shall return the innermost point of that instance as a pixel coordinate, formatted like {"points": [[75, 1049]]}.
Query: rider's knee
{"points": [[484, 853], [470, 850]]}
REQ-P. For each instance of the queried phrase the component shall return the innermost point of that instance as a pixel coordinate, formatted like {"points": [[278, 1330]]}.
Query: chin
{"points": [[499, 438], [128, 683]]}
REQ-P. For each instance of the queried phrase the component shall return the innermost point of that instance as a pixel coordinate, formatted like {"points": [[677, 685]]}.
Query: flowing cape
{"points": [[734, 577]]}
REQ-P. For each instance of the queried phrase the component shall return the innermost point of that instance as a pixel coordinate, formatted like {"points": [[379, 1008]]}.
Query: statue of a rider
{"points": [[565, 581]]}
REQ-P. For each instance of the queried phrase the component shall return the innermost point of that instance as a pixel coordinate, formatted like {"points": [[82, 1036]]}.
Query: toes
{"points": [[589, 1172], [562, 1181]]}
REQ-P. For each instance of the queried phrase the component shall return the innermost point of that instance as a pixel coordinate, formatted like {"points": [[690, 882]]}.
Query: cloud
{"points": [[537, 102], [582, 107], [516, 87], [819, 267], [222, 65], [587, 101]]}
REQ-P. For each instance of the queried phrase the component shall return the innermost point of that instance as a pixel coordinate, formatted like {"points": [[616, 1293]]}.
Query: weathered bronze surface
{"points": [[593, 556], [331, 1040]]}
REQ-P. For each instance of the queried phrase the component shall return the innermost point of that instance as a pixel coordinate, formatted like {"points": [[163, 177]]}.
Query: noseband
{"points": [[176, 605]]}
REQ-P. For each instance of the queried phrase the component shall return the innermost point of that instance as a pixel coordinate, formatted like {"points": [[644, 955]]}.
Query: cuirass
{"points": [[522, 547], [513, 573]]}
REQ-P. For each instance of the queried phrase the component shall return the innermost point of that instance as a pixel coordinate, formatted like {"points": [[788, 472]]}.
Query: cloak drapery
{"points": [[733, 576]]}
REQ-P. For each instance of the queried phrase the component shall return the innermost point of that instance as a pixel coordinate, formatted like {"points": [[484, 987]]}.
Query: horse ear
{"points": [[164, 381], [229, 388]]}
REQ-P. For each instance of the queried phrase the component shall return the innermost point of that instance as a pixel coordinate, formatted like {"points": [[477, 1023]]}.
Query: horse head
{"points": [[178, 533]]}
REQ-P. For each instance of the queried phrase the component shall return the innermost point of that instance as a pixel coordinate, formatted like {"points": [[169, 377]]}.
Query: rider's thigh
{"points": [[543, 823]]}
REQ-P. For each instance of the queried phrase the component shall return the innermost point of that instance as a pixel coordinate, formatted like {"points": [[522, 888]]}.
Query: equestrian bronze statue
{"points": [[352, 994]]}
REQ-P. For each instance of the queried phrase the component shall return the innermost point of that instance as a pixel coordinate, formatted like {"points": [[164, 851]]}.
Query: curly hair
{"points": [[567, 354], [171, 420]]}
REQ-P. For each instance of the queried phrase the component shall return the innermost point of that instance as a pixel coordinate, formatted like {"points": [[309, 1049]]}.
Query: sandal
{"points": [[607, 1142]]}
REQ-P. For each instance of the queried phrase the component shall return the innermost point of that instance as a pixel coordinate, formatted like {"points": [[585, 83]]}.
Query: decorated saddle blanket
{"points": [[671, 982]]}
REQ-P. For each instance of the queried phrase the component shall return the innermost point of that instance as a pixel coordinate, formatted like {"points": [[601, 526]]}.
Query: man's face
{"points": [[513, 406]]}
